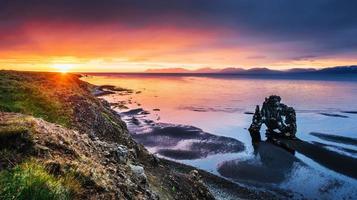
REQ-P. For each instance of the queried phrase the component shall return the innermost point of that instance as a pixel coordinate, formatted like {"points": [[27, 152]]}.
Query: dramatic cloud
{"points": [[205, 32]]}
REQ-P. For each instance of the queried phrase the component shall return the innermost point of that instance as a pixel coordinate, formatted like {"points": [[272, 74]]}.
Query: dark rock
{"points": [[274, 115], [144, 112], [135, 121], [249, 113], [133, 111], [121, 153]]}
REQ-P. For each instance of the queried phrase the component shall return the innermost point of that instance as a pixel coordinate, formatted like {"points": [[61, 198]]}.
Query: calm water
{"points": [[218, 106]]}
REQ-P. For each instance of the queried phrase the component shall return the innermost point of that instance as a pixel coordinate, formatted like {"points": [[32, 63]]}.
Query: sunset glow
{"points": [[178, 99], [63, 68], [129, 37]]}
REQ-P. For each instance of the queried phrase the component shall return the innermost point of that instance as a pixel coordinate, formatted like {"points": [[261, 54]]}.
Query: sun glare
{"points": [[63, 68]]}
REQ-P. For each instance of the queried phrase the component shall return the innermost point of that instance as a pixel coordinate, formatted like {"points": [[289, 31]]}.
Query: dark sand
{"points": [[335, 138], [198, 144], [225, 189], [350, 112], [270, 165], [333, 115], [332, 160], [351, 151]]}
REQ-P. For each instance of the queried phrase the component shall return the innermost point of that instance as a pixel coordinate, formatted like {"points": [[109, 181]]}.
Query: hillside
{"points": [[57, 141]]}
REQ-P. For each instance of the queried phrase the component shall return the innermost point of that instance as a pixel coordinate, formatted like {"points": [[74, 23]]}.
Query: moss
{"points": [[24, 94], [111, 120], [30, 180], [108, 118]]}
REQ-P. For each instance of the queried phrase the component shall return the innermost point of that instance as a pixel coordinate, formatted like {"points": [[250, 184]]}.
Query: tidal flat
{"points": [[205, 126]]}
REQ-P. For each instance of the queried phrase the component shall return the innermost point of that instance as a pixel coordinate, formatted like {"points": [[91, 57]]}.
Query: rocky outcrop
{"points": [[111, 170], [62, 149]]}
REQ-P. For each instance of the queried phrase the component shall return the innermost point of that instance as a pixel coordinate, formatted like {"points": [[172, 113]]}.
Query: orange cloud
{"points": [[105, 47]]}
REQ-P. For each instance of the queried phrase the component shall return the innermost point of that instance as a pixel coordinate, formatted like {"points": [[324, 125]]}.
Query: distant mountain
{"points": [[207, 70], [262, 71], [183, 70], [232, 70], [169, 70], [339, 70], [301, 70]]}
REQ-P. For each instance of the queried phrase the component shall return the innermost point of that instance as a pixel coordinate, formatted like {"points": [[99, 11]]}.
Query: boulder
{"points": [[139, 173]]}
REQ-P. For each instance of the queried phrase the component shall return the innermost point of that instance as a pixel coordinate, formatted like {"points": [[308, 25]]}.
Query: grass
{"points": [[31, 181], [51, 97], [25, 93]]}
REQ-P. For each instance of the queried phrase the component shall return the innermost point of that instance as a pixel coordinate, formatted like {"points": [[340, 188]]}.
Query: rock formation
{"points": [[279, 119]]}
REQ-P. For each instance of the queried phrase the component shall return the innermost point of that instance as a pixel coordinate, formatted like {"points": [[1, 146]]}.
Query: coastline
{"points": [[66, 103], [220, 187], [67, 129], [238, 170], [52, 128]]}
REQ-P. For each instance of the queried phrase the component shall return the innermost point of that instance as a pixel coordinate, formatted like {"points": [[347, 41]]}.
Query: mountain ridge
{"points": [[259, 70]]}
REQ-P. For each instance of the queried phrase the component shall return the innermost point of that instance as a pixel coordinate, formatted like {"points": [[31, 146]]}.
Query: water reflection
{"points": [[223, 107], [271, 163]]}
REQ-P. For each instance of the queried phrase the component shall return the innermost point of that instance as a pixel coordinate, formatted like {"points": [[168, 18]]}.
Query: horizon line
{"points": [[192, 71]]}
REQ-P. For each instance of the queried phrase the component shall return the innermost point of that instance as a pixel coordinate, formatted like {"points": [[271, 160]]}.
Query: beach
{"points": [[179, 121]]}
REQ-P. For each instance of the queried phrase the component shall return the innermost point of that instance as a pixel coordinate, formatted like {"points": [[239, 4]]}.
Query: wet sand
{"points": [[350, 112], [343, 149], [335, 138], [182, 142], [271, 164], [332, 160], [333, 115], [227, 190]]}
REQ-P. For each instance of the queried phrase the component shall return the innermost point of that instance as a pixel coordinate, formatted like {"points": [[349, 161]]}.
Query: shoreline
{"points": [[226, 188], [340, 164], [220, 187], [53, 124], [76, 107]]}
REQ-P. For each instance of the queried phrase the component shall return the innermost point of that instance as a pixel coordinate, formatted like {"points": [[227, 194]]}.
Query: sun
{"points": [[63, 68]]}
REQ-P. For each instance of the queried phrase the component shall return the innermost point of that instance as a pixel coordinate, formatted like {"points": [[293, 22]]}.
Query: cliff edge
{"points": [[58, 141]]}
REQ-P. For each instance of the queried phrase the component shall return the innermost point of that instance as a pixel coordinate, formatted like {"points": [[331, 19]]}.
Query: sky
{"points": [[135, 35]]}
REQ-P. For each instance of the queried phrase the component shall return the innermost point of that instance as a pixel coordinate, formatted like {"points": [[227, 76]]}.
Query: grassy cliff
{"points": [[57, 141]]}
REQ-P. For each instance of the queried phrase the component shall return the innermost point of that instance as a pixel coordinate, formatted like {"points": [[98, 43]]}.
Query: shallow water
{"points": [[219, 106]]}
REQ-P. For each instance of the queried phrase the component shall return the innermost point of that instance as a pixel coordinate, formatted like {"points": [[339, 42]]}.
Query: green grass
{"points": [[20, 93], [30, 181]]}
